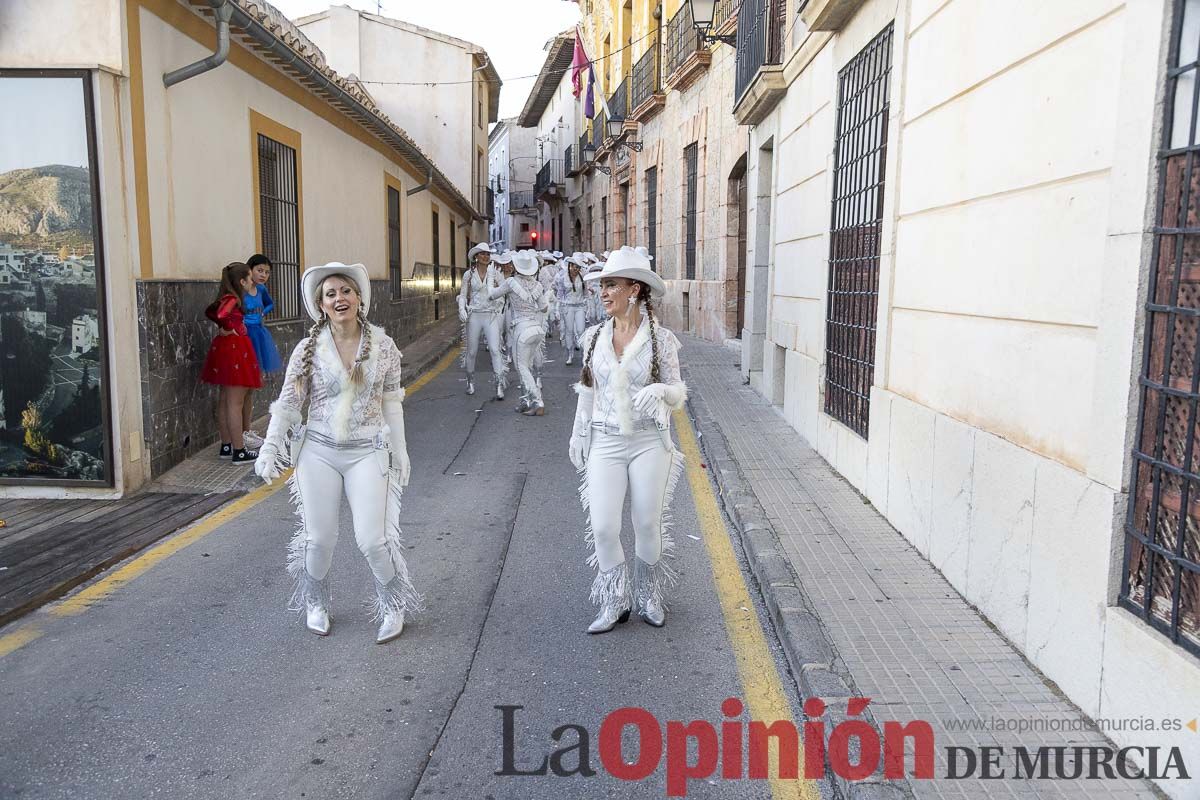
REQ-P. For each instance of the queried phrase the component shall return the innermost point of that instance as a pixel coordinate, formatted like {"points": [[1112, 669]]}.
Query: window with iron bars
{"points": [[395, 275], [860, 151], [279, 215], [689, 254], [652, 213], [1161, 577]]}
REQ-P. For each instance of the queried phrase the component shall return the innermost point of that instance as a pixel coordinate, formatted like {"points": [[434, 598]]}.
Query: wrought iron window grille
{"points": [[1160, 581], [860, 151]]}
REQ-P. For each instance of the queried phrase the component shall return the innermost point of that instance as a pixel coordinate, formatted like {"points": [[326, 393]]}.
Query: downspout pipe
{"points": [[418, 189], [223, 10]]}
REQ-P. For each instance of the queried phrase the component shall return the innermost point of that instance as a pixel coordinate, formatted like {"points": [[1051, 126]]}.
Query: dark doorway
{"points": [[737, 236]]}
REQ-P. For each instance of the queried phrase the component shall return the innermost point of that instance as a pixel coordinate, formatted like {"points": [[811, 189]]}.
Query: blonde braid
{"points": [[306, 368], [655, 372], [585, 374], [356, 374]]}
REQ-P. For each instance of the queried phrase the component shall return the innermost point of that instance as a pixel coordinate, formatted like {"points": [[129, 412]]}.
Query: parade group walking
{"points": [[339, 419]]}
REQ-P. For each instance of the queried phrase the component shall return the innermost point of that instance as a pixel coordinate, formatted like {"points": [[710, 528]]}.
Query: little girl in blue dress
{"points": [[257, 306]]}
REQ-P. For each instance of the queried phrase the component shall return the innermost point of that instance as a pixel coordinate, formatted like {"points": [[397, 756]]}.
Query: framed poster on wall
{"points": [[54, 413]]}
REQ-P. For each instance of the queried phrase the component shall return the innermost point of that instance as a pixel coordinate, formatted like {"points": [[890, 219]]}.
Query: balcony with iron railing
{"points": [[646, 97], [618, 101], [758, 75], [570, 165], [549, 181], [521, 201], [489, 207], [599, 131], [725, 16], [685, 56]]}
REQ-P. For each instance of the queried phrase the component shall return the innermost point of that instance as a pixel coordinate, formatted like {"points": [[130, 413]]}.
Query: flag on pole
{"points": [[589, 103], [579, 62]]}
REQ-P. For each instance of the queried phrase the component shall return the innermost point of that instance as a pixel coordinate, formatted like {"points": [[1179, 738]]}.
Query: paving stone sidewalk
{"points": [[860, 612]]}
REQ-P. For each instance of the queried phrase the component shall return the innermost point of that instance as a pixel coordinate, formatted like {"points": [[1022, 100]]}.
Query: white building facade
{"points": [[950, 247], [441, 90], [512, 170], [553, 116]]}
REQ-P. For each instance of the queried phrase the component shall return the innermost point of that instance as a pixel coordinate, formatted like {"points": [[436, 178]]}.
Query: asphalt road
{"points": [[193, 681]]}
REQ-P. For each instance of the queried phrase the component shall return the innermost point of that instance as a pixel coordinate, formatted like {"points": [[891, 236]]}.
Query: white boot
{"points": [[391, 627], [317, 619]]}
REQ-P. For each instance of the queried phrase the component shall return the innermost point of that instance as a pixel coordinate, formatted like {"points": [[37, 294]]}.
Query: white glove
{"points": [[393, 415], [649, 399], [271, 460], [581, 431], [462, 314], [579, 448], [267, 466]]}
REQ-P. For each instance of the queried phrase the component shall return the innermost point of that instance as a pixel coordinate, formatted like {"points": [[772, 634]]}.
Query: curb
{"points": [[811, 655]]}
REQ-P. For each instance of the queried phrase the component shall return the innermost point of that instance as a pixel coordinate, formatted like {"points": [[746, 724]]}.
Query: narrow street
{"points": [[192, 680]]}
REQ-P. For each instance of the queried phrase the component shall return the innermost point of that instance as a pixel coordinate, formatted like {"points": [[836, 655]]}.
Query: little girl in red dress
{"points": [[231, 363]]}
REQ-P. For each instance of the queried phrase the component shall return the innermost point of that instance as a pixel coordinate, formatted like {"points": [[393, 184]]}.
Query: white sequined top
{"points": [[615, 380], [337, 407]]}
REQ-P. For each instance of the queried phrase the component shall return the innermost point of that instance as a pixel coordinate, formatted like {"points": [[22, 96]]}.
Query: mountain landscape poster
{"points": [[53, 414]]}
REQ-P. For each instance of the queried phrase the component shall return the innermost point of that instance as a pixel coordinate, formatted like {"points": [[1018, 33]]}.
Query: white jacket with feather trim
{"points": [[617, 380], [337, 406]]}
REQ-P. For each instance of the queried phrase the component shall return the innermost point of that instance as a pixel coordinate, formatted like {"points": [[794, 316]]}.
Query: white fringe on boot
{"points": [[398, 594]]}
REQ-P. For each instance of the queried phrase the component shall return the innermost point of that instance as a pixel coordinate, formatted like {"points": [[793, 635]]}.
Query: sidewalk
{"points": [[47, 547], [859, 611]]}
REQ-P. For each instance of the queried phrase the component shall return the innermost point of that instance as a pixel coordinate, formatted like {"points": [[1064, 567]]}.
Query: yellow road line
{"points": [[765, 697], [18, 639], [103, 588], [437, 369]]}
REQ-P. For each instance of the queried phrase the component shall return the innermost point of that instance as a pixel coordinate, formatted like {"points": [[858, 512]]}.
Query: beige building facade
{"points": [[682, 194], [952, 208], [251, 156]]}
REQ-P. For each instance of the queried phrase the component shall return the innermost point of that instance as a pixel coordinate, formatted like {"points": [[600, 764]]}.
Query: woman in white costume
{"points": [[621, 441], [349, 372], [480, 314], [595, 310], [502, 262], [546, 275], [572, 306], [529, 302]]}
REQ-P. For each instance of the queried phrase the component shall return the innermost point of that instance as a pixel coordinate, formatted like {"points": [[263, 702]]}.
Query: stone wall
{"points": [[179, 411]]}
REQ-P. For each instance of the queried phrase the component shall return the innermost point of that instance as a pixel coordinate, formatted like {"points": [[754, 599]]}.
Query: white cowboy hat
{"points": [[578, 260], [629, 263], [482, 247], [644, 251], [526, 262], [503, 258], [314, 275], [557, 253]]}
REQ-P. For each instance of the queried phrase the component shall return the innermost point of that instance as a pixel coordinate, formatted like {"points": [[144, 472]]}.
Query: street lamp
{"points": [[702, 19], [616, 127]]}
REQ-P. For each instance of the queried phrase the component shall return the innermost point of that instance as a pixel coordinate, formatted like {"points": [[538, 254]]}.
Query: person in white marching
{"points": [[595, 311], [572, 305], [349, 372], [621, 441], [480, 314], [502, 262], [546, 275], [529, 302]]}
